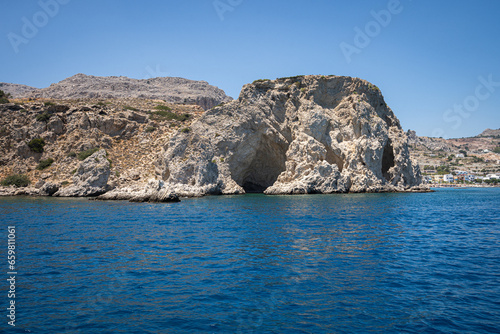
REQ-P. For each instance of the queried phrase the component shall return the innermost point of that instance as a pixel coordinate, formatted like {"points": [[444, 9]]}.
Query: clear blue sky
{"points": [[427, 58]]}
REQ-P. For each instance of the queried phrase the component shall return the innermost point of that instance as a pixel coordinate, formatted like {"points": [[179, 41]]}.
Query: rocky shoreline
{"points": [[298, 135]]}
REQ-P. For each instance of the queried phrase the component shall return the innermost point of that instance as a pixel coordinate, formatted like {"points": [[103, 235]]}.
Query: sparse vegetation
{"points": [[496, 149], [36, 145], [260, 80], [71, 155], [48, 104], [43, 117], [150, 129], [130, 108], [477, 159], [163, 108], [186, 130], [168, 115], [441, 170], [64, 183], [46, 163], [4, 97], [85, 154], [16, 180], [297, 77]]}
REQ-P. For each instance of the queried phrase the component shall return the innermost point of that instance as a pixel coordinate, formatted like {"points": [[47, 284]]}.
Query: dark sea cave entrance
{"points": [[387, 160], [265, 167]]}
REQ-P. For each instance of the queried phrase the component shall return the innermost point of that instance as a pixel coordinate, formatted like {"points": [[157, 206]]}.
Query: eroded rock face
{"points": [[307, 134], [91, 177]]}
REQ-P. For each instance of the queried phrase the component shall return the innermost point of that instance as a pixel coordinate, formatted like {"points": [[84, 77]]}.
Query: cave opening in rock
{"points": [[334, 159], [387, 160], [265, 167]]}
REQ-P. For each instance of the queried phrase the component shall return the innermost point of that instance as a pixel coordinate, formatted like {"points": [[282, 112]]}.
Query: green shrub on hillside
{"points": [[16, 180], [168, 115], [85, 154], [162, 107], [43, 117], [36, 145], [441, 170], [4, 97], [130, 108], [294, 78], [45, 164]]}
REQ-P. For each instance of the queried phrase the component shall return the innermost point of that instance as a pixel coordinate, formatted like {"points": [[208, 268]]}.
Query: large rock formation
{"points": [[91, 177], [172, 90], [306, 134]]}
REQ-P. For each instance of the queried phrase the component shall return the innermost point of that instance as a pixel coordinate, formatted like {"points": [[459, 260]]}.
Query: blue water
{"points": [[357, 263]]}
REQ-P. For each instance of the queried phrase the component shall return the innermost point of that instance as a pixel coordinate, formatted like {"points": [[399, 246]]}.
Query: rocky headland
{"points": [[298, 135]]}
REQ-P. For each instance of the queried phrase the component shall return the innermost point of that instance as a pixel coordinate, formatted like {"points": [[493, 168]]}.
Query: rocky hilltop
{"points": [[168, 89], [18, 91], [490, 133], [298, 135]]}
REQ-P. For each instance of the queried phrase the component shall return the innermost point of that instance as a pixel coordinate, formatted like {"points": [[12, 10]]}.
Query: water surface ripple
{"points": [[362, 263]]}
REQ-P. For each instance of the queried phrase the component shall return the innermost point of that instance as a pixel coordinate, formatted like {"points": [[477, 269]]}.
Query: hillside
{"points": [[18, 91], [474, 154], [168, 89], [132, 131], [490, 133]]}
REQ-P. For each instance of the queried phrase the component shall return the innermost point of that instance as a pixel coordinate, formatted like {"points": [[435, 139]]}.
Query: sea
{"points": [[343, 263]]}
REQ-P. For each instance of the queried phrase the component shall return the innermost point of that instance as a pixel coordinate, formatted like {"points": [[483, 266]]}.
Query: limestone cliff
{"points": [[306, 134]]}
